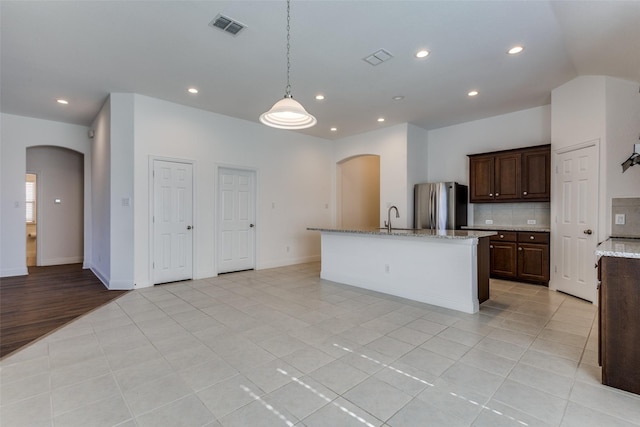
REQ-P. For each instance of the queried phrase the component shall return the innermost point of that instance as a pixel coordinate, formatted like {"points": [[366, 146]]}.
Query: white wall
{"points": [[417, 164], [16, 134], [391, 145], [60, 225], [448, 147], [121, 200], [578, 111], [100, 262], [607, 110], [623, 131], [294, 181], [579, 116]]}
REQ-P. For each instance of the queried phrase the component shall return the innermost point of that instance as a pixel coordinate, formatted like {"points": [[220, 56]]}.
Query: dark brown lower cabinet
{"points": [[519, 255], [619, 322], [533, 262], [504, 259]]}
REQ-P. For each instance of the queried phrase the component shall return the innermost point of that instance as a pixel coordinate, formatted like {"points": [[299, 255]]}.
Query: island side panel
{"points": [[484, 269], [442, 272]]}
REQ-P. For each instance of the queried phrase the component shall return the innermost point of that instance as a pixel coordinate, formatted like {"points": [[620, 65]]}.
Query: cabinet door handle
{"points": [[532, 238], [497, 194], [519, 249], [490, 246], [490, 194], [524, 192], [502, 236]]}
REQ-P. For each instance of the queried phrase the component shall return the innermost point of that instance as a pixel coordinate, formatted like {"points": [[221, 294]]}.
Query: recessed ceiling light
{"points": [[381, 119], [473, 93], [62, 101], [422, 53], [398, 98], [514, 50], [319, 97], [334, 129], [192, 90]]}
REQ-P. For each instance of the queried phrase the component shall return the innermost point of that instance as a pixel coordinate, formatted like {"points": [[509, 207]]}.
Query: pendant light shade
{"points": [[288, 113]]}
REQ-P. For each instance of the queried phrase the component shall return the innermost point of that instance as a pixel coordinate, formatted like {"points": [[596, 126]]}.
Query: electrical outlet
{"points": [[620, 219], [531, 221], [488, 221]]}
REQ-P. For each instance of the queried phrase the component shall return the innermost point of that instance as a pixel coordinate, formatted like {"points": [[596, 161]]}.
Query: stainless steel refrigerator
{"points": [[440, 206]]}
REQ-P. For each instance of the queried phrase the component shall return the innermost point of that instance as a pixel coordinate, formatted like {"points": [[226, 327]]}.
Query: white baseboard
{"points": [[120, 285], [61, 261], [287, 261], [96, 271], [10, 272]]}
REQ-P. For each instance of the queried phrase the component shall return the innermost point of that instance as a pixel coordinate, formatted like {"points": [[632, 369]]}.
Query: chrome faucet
{"points": [[387, 223]]}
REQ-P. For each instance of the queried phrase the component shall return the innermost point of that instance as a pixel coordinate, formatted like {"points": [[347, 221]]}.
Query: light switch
{"points": [[57, 201], [620, 219]]}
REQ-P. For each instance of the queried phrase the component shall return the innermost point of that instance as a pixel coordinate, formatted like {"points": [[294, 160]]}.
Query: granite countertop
{"points": [[621, 248], [494, 227], [441, 234]]}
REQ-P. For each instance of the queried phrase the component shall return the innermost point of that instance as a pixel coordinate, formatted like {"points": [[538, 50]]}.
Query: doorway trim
{"points": [[557, 203], [218, 216], [151, 207]]}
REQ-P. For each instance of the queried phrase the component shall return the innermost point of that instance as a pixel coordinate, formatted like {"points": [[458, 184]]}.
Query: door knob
{"points": [[251, 225], [588, 231], [189, 227]]}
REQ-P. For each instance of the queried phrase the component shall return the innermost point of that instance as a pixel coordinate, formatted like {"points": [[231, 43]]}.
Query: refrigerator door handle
{"points": [[432, 207]]}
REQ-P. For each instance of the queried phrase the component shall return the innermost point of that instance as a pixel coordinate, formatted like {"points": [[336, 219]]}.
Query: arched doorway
{"points": [[57, 227], [358, 182]]}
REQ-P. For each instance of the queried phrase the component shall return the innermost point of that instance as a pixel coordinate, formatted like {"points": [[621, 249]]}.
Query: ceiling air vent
{"points": [[227, 25], [378, 57]]}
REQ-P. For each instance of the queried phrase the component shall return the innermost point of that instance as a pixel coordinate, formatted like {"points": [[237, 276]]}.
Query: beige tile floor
{"points": [[281, 347]]}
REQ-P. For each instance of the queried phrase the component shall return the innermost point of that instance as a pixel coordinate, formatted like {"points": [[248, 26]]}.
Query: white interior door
{"points": [[577, 218], [236, 189], [172, 221]]}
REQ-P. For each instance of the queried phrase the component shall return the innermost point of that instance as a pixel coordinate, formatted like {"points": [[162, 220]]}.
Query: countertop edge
{"points": [[541, 229], [425, 234], [619, 248]]}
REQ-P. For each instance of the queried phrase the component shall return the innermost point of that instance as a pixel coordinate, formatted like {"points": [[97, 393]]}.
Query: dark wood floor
{"points": [[48, 298]]}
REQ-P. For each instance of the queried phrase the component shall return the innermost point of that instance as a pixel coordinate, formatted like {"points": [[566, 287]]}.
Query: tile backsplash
{"points": [[630, 208], [512, 214]]}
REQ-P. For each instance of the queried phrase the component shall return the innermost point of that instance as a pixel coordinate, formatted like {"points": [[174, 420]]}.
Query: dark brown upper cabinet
{"points": [[536, 174], [521, 175]]}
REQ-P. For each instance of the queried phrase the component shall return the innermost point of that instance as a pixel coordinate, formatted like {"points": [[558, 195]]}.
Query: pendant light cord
{"points": [[287, 93]]}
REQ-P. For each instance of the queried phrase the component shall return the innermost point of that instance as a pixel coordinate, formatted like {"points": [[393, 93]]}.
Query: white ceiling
{"points": [[83, 50]]}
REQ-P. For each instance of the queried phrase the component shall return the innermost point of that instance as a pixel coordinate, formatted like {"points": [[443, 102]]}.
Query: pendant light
{"points": [[288, 113]]}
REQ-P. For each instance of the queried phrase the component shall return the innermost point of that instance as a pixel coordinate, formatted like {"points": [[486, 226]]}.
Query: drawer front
{"points": [[533, 237], [505, 236]]}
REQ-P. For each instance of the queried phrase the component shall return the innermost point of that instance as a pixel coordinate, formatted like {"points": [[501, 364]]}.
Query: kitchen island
{"points": [[447, 268]]}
